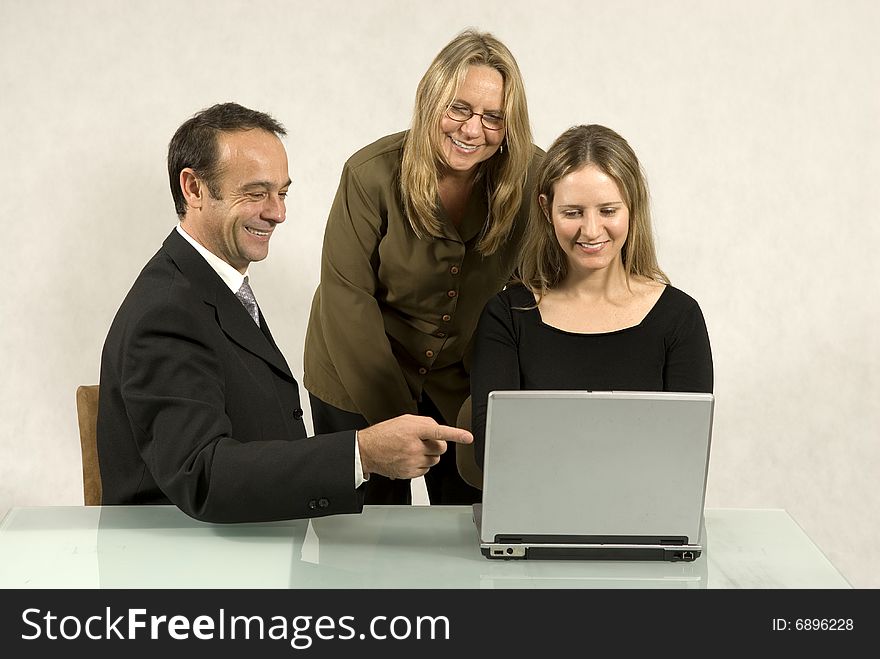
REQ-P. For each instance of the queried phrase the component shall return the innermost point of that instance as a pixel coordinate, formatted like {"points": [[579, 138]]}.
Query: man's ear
{"points": [[194, 189]]}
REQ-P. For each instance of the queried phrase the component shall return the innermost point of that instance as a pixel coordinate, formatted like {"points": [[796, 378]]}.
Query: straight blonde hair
{"points": [[542, 264], [504, 173]]}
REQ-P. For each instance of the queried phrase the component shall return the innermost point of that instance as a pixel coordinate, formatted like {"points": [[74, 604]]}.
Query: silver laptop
{"points": [[595, 475]]}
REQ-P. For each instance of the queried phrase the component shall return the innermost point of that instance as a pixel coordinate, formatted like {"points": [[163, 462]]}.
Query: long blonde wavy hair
{"points": [[542, 264], [504, 173]]}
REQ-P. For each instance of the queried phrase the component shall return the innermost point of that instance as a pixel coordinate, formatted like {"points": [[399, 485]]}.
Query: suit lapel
{"points": [[231, 315], [264, 326], [235, 321]]}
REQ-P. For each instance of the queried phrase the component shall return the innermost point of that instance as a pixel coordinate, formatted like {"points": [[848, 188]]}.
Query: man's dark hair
{"points": [[194, 144]]}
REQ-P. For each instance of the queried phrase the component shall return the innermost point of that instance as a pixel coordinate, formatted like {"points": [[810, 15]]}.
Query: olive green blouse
{"points": [[393, 315]]}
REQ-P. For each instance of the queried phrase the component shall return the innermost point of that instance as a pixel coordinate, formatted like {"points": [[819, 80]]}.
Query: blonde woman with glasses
{"points": [[424, 229], [590, 307]]}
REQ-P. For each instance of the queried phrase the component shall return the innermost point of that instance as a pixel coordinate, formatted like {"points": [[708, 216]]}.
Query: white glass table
{"points": [[384, 547]]}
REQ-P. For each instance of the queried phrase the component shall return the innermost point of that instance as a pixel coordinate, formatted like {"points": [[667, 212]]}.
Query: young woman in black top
{"points": [[590, 308]]}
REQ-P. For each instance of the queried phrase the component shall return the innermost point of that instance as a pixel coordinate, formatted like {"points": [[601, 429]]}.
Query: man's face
{"points": [[252, 184]]}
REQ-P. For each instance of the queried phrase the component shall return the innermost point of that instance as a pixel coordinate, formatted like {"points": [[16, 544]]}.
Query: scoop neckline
{"points": [[648, 315]]}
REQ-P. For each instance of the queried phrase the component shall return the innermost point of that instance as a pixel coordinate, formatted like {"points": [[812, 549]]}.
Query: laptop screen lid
{"points": [[615, 470]]}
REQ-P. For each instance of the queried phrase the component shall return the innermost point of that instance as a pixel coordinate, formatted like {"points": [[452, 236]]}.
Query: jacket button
{"points": [[312, 504], [446, 318], [454, 270], [297, 414], [323, 503], [451, 293], [423, 371], [429, 353], [441, 335]]}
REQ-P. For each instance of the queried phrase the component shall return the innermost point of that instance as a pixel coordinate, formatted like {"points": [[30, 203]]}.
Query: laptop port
{"points": [[507, 551]]}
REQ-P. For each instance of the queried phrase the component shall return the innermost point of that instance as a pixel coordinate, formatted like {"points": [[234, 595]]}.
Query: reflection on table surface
{"points": [[384, 547]]}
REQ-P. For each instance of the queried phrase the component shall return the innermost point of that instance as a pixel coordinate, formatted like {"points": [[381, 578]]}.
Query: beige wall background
{"points": [[757, 124]]}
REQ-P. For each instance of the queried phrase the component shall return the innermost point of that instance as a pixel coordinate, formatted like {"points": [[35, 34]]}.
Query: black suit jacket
{"points": [[198, 407]]}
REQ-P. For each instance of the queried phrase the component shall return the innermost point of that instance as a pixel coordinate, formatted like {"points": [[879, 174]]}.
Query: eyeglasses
{"points": [[462, 113]]}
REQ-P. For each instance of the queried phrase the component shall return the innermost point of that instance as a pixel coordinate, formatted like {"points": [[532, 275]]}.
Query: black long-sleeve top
{"points": [[514, 349]]}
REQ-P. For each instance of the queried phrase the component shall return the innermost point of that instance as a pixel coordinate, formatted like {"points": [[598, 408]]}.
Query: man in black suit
{"points": [[198, 407]]}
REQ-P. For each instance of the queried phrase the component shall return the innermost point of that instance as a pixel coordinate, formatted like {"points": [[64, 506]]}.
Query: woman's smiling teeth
{"points": [[462, 145], [591, 247]]}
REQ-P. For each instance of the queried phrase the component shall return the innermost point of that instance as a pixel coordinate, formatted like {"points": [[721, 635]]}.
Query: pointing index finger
{"points": [[457, 435]]}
